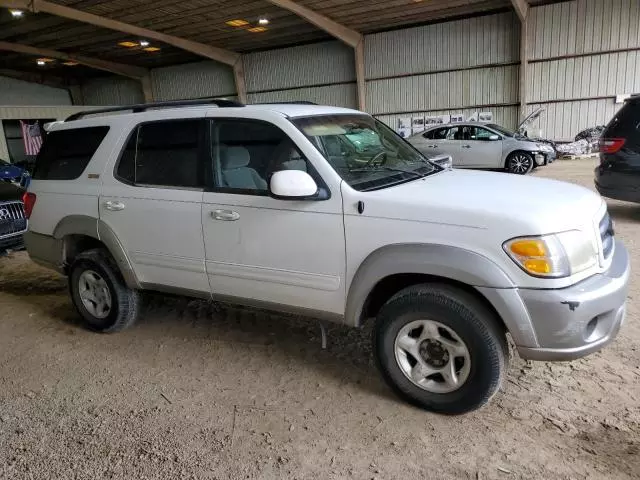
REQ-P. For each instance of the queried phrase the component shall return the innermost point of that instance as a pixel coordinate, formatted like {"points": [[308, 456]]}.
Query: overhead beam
{"points": [[217, 54], [335, 29], [345, 34], [214, 53], [112, 67], [522, 8]]}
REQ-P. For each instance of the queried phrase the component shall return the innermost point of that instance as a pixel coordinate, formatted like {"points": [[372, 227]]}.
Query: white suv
{"points": [[327, 212]]}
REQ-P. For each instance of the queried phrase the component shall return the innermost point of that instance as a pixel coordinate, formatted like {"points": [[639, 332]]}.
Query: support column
{"points": [[75, 91], [360, 75], [147, 89], [524, 67], [238, 75]]}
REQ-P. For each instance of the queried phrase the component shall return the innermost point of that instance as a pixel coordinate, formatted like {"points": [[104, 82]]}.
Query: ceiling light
{"points": [[16, 13], [257, 29], [128, 44], [263, 21], [41, 62], [144, 43], [45, 60], [237, 23], [70, 63], [151, 49]]}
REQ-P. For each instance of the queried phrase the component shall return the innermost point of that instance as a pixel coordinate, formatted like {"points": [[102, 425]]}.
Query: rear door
{"points": [[153, 204]]}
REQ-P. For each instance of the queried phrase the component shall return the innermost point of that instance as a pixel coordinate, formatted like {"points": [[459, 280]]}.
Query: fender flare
{"points": [[95, 228], [453, 263]]}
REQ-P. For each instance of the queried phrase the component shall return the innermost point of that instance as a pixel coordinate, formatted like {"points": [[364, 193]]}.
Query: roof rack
{"points": [[301, 102], [142, 107]]}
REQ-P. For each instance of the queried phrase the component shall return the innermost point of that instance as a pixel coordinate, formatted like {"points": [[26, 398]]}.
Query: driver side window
{"points": [[246, 153]]}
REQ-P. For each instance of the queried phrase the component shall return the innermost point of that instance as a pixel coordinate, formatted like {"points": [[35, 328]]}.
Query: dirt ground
{"points": [[199, 391]]}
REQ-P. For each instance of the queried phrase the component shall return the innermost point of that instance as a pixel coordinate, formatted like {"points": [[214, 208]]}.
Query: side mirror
{"points": [[493, 138], [292, 184]]}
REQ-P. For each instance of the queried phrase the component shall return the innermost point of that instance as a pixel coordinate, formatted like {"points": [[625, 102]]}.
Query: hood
{"points": [[8, 191], [486, 200], [529, 119], [10, 171]]}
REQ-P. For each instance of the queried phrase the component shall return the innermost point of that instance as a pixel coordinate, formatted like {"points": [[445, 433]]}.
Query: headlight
{"points": [[553, 256]]}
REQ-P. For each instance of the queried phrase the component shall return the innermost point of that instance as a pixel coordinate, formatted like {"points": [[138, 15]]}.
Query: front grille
{"points": [[12, 218], [606, 235]]}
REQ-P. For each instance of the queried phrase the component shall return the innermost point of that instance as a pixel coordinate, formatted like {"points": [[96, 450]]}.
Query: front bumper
{"points": [[573, 322], [567, 323]]}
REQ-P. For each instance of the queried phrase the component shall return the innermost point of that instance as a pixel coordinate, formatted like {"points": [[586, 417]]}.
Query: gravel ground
{"points": [[199, 391]]}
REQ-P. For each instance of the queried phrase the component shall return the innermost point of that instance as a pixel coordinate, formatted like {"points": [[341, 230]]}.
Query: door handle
{"points": [[114, 206], [466, 146], [432, 146], [226, 215]]}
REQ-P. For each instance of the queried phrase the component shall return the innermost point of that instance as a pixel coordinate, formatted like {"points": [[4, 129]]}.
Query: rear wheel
{"points": [[440, 348], [100, 294], [520, 163]]}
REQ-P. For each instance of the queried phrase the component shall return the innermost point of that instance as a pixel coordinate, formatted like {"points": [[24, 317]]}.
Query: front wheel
{"points": [[440, 348], [520, 163]]}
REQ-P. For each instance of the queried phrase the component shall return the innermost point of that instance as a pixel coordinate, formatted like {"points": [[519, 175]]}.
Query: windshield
{"points": [[366, 153], [502, 130]]}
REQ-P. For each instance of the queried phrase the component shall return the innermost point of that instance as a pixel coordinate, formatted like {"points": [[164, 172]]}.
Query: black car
{"points": [[12, 219], [618, 175]]}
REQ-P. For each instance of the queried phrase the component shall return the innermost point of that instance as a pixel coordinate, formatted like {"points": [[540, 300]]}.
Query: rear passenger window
{"points": [[66, 153], [164, 154]]}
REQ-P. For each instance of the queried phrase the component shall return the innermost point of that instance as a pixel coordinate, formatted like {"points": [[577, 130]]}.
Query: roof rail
{"points": [[142, 107], [301, 102]]}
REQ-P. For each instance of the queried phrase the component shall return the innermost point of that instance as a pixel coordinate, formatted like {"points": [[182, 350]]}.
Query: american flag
{"points": [[32, 138]]}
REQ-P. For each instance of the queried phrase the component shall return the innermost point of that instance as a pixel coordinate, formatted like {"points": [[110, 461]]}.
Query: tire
{"points": [[97, 267], [453, 311], [519, 163]]}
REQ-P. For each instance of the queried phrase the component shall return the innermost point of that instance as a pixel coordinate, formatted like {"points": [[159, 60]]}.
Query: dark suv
{"points": [[618, 175], [12, 218]]}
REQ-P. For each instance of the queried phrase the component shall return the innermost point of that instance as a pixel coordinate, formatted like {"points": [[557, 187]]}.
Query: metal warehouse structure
{"points": [[392, 58]]}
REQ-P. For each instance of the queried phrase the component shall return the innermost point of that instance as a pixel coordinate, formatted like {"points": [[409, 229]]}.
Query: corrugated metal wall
{"points": [[112, 90], [17, 92], [454, 67], [583, 53], [194, 80], [324, 63]]}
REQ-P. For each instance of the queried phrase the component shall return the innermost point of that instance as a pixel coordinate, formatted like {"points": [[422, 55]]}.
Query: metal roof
{"points": [[204, 21]]}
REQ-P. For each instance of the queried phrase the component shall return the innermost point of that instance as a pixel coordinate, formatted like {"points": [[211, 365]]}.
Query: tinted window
{"points": [[164, 154], [626, 123], [440, 133], [476, 133], [66, 153], [246, 153]]}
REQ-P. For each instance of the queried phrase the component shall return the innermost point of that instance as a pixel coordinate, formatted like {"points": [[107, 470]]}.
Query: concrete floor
{"points": [[194, 391]]}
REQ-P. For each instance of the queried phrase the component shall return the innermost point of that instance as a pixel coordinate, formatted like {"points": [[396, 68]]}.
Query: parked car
{"points": [[481, 145], [259, 205], [10, 172], [618, 175], [13, 223]]}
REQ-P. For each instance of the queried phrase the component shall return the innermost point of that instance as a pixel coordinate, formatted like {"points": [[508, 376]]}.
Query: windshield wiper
{"points": [[388, 169]]}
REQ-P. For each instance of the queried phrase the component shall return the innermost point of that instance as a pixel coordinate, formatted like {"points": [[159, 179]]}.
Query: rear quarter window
{"points": [[66, 153], [626, 123]]}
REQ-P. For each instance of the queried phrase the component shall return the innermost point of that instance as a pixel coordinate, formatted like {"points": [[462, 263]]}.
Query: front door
{"points": [[154, 203], [480, 148], [261, 249]]}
